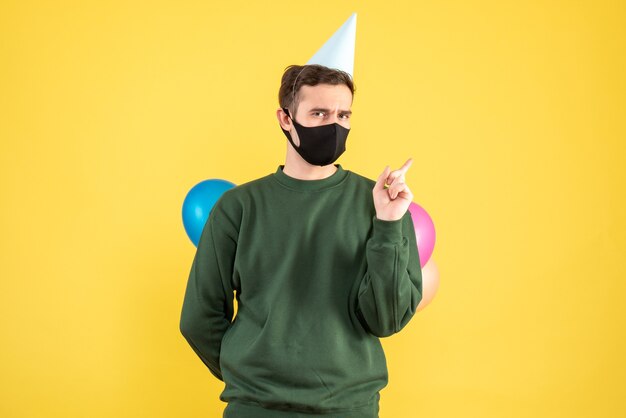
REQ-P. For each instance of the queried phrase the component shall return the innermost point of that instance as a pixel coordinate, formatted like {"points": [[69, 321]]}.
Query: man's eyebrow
{"points": [[321, 109]]}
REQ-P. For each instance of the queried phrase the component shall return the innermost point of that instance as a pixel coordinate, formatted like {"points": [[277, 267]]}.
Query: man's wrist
{"points": [[386, 219]]}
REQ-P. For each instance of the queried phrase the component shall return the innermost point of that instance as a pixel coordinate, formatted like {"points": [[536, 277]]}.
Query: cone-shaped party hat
{"points": [[338, 51]]}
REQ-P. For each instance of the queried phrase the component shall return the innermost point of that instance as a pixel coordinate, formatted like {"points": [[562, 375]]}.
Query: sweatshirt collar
{"points": [[310, 185]]}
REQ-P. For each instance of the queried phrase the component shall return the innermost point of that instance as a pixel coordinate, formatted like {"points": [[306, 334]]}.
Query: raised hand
{"points": [[392, 203]]}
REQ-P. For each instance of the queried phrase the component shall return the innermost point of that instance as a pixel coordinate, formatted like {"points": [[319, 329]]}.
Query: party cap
{"points": [[338, 51]]}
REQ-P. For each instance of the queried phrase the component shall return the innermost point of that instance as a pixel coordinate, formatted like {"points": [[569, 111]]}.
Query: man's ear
{"points": [[283, 119]]}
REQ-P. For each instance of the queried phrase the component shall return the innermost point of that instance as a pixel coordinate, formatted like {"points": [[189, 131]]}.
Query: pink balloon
{"points": [[430, 284], [424, 232]]}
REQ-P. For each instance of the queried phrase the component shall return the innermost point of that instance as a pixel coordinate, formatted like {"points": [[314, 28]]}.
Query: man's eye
{"points": [[345, 116], [318, 113]]}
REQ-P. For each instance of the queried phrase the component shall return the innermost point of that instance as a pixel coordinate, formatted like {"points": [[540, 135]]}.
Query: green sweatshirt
{"points": [[318, 279]]}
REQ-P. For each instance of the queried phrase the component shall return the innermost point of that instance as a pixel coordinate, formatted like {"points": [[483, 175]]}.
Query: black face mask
{"points": [[319, 145]]}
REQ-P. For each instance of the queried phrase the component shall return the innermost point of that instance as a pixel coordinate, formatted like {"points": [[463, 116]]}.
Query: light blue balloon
{"points": [[198, 204]]}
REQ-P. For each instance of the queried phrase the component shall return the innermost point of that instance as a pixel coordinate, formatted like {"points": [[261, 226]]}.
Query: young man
{"points": [[323, 261]]}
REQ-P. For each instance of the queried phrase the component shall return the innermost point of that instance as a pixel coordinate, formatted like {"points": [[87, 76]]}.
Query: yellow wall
{"points": [[514, 112]]}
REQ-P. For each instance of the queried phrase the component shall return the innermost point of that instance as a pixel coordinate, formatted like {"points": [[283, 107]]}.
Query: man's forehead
{"points": [[327, 97]]}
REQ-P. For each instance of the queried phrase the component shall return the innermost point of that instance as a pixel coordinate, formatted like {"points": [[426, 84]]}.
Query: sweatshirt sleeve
{"points": [[208, 307], [392, 286]]}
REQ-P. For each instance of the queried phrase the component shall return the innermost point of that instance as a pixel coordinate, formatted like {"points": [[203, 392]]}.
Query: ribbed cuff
{"points": [[387, 231]]}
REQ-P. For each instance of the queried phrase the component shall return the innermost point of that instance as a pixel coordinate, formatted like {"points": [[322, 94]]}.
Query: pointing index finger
{"points": [[398, 175], [406, 165]]}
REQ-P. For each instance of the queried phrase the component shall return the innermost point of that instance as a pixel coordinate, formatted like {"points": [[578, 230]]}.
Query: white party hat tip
{"points": [[338, 51]]}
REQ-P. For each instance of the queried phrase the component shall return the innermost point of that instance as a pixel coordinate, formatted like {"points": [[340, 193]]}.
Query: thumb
{"points": [[380, 182]]}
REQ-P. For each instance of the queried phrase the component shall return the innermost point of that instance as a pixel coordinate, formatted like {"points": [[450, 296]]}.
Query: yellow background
{"points": [[514, 112]]}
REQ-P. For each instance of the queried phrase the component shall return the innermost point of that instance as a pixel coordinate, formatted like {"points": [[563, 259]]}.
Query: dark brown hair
{"points": [[295, 76]]}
